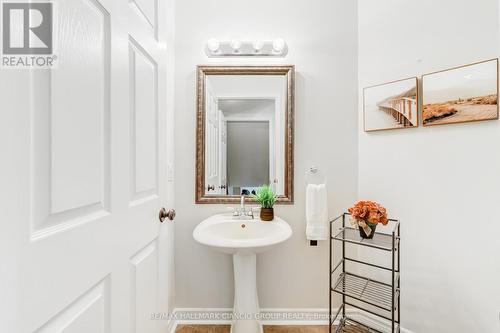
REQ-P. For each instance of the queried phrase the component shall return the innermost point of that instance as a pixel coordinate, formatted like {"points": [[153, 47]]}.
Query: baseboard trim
{"points": [[271, 316], [172, 325]]}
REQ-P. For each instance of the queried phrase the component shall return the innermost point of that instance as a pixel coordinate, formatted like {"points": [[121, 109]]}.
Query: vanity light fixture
{"points": [[213, 45], [236, 45], [258, 45], [239, 48], [279, 45]]}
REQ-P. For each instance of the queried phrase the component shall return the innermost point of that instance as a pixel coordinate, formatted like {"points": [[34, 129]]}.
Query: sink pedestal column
{"points": [[246, 301]]}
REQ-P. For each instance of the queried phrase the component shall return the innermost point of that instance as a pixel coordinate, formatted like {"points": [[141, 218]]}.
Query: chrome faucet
{"points": [[242, 205], [242, 212]]}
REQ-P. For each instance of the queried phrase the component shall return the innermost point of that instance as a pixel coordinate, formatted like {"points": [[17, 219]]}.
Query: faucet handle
{"points": [[250, 212], [233, 210]]}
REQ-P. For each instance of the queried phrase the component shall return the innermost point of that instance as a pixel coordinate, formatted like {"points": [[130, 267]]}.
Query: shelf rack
{"points": [[379, 298]]}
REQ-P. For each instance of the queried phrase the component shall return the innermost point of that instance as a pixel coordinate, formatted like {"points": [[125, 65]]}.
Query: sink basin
{"points": [[243, 238], [232, 235]]}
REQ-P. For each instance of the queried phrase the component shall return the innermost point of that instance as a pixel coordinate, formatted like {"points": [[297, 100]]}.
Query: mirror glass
{"points": [[245, 125]]}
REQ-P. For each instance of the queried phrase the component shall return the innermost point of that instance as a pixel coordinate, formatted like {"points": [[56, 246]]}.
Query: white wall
{"points": [[322, 44], [442, 182]]}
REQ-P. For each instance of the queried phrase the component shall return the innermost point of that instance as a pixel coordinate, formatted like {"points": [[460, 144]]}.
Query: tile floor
{"points": [[267, 329]]}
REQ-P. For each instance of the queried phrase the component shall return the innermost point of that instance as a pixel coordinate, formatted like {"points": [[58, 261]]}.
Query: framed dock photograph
{"points": [[392, 105], [462, 94]]}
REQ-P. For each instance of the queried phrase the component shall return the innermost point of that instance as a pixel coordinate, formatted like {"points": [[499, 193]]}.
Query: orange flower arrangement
{"points": [[370, 212]]}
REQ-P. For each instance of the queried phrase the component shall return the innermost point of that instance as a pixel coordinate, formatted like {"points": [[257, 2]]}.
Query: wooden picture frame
{"points": [[391, 105], [461, 94]]}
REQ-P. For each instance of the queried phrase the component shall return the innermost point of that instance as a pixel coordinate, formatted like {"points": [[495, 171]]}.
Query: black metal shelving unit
{"points": [[378, 298]]}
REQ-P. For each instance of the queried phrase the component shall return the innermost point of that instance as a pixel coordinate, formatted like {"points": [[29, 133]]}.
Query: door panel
{"points": [[144, 288], [79, 107], [144, 123], [89, 313], [148, 10], [71, 121], [86, 147]]}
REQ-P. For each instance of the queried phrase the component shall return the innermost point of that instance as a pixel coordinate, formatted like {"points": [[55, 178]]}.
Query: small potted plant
{"points": [[366, 215], [266, 198]]}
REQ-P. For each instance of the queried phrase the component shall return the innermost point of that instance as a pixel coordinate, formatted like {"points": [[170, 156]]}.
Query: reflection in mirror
{"points": [[247, 161], [247, 134], [244, 133]]}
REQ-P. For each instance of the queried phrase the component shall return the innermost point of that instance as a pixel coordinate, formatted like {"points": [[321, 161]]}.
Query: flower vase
{"points": [[372, 226]]}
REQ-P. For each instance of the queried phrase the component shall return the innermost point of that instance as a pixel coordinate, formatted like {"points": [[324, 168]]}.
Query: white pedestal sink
{"points": [[243, 238]]}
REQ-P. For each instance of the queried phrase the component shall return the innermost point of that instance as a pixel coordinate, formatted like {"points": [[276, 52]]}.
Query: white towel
{"points": [[316, 212]]}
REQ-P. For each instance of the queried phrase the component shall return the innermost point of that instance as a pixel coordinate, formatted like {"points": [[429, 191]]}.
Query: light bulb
{"points": [[213, 45], [236, 45], [279, 45], [258, 45]]}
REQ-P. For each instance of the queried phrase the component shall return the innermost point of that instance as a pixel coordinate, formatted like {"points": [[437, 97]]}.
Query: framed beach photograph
{"points": [[462, 94], [391, 105]]}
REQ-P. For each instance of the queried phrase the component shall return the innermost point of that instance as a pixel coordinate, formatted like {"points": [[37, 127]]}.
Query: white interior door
{"points": [[222, 153], [212, 175], [86, 148]]}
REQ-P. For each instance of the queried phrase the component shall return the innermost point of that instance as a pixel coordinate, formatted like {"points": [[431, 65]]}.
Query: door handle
{"points": [[166, 215], [211, 188]]}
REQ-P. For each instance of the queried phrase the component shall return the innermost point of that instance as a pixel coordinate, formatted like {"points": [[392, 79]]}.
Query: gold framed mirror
{"points": [[244, 132]]}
